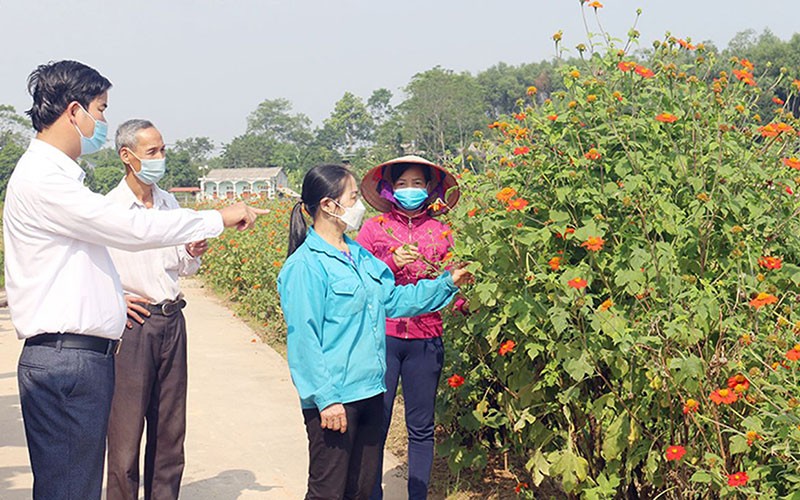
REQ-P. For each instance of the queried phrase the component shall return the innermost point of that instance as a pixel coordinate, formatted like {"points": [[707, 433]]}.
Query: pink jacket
{"points": [[381, 235]]}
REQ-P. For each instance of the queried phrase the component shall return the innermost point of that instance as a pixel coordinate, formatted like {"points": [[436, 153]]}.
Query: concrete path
{"points": [[245, 437]]}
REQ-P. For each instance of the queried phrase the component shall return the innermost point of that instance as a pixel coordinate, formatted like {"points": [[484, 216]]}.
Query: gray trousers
{"points": [[150, 388]]}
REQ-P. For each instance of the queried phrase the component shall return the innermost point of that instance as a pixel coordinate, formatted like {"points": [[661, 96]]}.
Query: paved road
{"points": [[245, 437]]}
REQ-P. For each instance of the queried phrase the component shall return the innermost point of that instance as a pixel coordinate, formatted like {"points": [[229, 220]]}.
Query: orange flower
{"points": [[778, 101], [381, 220], [796, 85], [793, 354], [644, 72], [554, 263], [517, 204], [746, 339], [520, 487], [792, 162], [522, 150], [591, 98], [593, 154], [691, 405], [472, 212], [507, 347], [746, 64], [552, 118], [752, 437], [506, 194], [575, 73], [606, 305], [595, 4], [626, 66], [738, 383], [532, 90], [577, 283], [455, 381], [593, 244], [768, 130], [445, 234], [763, 299], [520, 116], [737, 479], [617, 95], [783, 127], [675, 452], [667, 118], [770, 262], [558, 35], [723, 396], [745, 76]]}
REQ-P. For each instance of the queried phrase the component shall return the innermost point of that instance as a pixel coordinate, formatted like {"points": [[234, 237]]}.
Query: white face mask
{"points": [[352, 215]]}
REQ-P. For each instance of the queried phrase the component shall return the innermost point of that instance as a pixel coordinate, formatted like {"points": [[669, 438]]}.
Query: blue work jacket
{"points": [[335, 310]]}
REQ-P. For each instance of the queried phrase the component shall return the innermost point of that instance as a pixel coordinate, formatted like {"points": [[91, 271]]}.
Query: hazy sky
{"points": [[199, 67]]}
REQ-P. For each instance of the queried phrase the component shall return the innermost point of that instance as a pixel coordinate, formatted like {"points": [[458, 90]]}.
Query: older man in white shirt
{"points": [[64, 294], [151, 374]]}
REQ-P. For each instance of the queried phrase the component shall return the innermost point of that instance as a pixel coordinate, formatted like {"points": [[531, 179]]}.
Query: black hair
{"points": [[322, 181], [399, 169], [56, 84]]}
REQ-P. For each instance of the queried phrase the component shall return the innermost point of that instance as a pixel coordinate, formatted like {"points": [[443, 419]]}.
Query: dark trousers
{"points": [[345, 466], [418, 363], [151, 389], [66, 396]]}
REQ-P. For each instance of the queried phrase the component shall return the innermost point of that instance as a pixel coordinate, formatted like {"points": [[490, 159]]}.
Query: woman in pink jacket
{"points": [[409, 191]]}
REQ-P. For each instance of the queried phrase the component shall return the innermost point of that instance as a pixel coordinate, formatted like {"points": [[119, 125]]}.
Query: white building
{"points": [[243, 182]]}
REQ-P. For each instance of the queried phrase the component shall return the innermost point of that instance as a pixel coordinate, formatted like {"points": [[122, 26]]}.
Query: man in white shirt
{"points": [[151, 373], [64, 294]]}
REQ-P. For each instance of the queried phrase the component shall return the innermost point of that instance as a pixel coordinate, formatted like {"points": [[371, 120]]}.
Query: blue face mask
{"points": [[410, 198], [152, 170], [92, 144]]}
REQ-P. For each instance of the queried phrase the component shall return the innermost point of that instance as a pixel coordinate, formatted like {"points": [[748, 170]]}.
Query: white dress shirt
{"points": [[151, 274], [59, 275]]}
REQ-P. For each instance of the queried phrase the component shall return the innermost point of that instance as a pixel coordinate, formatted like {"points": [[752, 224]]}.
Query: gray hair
{"points": [[126, 133]]}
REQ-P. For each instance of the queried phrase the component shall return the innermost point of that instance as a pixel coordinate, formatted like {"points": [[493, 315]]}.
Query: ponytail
{"points": [[297, 228]]}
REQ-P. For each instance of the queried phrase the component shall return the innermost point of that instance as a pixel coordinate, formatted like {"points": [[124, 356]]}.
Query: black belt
{"points": [[75, 341], [166, 308]]}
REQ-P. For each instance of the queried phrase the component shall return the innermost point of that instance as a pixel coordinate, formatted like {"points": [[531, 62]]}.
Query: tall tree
{"points": [[349, 127], [380, 105], [273, 118], [199, 149], [442, 112]]}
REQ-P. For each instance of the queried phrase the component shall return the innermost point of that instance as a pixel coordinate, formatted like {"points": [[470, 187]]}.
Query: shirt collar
{"points": [[317, 244], [126, 196], [58, 157]]}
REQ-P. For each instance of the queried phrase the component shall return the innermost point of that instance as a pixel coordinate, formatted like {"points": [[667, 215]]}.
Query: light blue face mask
{"points": [[92, 144], [152, 170], [410, 198]]}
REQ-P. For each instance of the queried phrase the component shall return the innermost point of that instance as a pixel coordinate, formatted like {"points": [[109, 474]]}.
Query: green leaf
{"points": [[701, 477], [579, 368], [616, 437], [538, 466], [739, 445], [572, 468]]}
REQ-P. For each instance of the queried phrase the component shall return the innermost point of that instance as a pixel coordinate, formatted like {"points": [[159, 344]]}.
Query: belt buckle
{"points": [[117, 347], [165, 308]]}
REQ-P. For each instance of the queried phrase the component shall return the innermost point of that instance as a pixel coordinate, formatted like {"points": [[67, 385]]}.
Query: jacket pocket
{"points": [[346, 298]]}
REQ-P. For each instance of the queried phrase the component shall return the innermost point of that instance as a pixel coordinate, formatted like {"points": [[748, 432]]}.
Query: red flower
{"points": [[667, 118], [593, 154], [723, 396], [778, 101], [520, 116], [770, 262], [793, 354], [644, 72], [577, 283], [738, 383], [737, 479], [593, 244], [691, 405], [472, 212], [507, 347], [522, 150], [745, 76], [552, 118], [520, 487], [763, 299], [626, 66], [455, 381], [517, 204], [792, 162], [554, 263], [675, 452], [746, 64]]}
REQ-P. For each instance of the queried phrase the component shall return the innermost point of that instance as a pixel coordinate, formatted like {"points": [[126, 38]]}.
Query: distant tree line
{"points": [[437, 117]]}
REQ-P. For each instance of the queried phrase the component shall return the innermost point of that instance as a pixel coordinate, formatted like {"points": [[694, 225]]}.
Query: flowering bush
{"points": [[635, 241], [245, 265]]}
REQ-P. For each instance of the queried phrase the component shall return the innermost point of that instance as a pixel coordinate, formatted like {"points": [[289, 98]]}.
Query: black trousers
{"points": [[150, 388], [345, 465]]}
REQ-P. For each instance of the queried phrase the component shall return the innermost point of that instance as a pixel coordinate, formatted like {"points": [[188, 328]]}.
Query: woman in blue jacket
{"points": [[335, 298]]}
